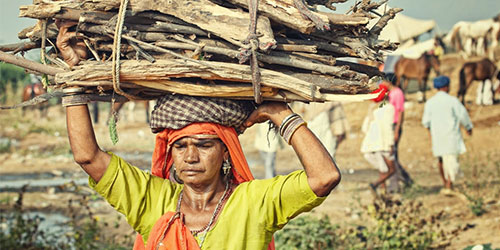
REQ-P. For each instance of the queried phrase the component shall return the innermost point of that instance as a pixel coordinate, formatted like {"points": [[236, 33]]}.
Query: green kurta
{"points": [[253, 212]]}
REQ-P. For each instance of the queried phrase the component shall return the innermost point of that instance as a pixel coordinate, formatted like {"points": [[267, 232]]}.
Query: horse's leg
{"points": [[95, 111], [146, 107], [487, 92], [404, 86], [420, 95], [423, 87], [479, 93]]}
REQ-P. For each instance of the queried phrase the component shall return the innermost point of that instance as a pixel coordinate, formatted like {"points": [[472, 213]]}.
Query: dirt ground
{"points": [[40, 145]]}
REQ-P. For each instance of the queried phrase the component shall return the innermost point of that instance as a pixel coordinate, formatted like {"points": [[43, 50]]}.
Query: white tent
{"points": [[403, 28], [416, 50]]}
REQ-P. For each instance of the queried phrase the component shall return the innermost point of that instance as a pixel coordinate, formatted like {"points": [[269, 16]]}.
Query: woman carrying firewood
{"points": [[201, 193]]}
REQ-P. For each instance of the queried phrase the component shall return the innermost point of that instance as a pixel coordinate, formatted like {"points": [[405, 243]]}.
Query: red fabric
{"points": [[162, 162], [178, 236], [382, 90]]}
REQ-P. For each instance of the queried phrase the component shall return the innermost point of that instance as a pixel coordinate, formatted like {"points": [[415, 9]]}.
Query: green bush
{"points": [[307, 232], [19, 230], [397, 224]]}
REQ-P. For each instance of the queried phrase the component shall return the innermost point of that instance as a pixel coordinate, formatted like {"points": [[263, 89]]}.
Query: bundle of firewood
{"points": [[246, 49]]}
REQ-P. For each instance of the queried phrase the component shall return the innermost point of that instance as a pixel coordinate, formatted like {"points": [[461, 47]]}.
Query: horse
{"points": [[474, 38], [418, 69], [31, 91], [481, 71]]}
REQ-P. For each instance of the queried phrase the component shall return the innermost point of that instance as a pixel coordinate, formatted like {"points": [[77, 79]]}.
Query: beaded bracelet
{"points": [[291, 128]]}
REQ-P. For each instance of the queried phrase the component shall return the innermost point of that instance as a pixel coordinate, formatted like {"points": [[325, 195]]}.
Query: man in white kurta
{"points": [[379, 139], [443, 115], [328, 122]]}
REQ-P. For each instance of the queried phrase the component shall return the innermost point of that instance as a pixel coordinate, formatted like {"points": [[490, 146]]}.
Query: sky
{"points": [[444, 12]]}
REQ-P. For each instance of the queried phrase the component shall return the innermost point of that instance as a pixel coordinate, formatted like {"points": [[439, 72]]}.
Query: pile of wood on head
{"points": [[241, 49]]}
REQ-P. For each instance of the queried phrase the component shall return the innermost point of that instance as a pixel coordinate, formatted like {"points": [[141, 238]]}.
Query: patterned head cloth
{"points": [[178, 111]]}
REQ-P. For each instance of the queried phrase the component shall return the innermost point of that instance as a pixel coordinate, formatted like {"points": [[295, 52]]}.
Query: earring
{"points": [[226, 167], [174, 174]]}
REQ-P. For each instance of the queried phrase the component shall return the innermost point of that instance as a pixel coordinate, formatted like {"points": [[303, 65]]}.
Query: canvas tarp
{"points": [[403, 28]]}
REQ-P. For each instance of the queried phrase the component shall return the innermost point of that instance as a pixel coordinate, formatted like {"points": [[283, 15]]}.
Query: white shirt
{"points": [[443, 114], [266, 142], [378, 129]]}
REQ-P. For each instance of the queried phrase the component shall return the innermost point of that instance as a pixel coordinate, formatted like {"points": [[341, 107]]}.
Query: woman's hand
{"points": [[274, 111], [72, 50]]}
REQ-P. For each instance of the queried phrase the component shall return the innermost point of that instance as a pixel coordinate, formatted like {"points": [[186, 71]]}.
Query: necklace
{"points": [[203, 231]]}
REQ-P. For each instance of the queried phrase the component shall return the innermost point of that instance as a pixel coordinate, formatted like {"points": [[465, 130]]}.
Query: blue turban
{"points": [[441, 81]]}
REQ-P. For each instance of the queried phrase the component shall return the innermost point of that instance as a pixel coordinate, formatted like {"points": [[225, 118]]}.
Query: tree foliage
{"points": [[13, 75]]}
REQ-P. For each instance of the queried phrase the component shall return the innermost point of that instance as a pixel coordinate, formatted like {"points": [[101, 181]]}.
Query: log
{"points": [[331, 47], [177, 68], [332, 85], [369, 70], [217, 20], [284, 12], [27, 64], [184, 88], [280, 59], [292, 61], [16, 47], [340, 19]]}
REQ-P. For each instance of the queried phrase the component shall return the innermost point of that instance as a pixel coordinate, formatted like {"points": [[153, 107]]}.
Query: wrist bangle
{"points": [[73, 100], [286, 121], [73, 91], [291, 128]]}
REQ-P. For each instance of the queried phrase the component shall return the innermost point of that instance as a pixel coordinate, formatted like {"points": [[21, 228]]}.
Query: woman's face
{"points": [[199, 160]]}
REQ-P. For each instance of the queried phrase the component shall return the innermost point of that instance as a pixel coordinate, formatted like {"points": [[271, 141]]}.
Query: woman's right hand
{"points": [[71, 49]]}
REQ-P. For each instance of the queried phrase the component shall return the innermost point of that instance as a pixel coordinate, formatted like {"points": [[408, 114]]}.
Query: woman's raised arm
{"points": [[322, 172], [83, 143]]}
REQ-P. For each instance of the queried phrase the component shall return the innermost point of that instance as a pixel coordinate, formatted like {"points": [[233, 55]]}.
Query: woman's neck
{"points": [[199, 197]]}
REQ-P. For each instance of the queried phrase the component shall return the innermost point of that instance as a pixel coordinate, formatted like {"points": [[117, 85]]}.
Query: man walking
{"points": [[443, 115], [397, 99]]}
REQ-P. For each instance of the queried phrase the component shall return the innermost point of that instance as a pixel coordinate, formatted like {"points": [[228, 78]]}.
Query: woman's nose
{"points": [[191, 154]]}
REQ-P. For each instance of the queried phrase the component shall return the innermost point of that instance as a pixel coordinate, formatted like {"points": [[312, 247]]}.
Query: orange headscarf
{"points": [[162, 157], [162, 162]]}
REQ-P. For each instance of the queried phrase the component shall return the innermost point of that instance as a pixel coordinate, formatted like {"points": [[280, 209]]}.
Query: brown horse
{"points": [[418, 69], [31, 91], [480, 71]]}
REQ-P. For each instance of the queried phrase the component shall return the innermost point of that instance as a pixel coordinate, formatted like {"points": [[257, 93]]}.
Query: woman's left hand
{"points": [[274, 111]]}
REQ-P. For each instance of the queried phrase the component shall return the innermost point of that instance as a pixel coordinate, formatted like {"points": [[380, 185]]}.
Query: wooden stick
{"points": [[369, 70], [27, 64], [340, 19], [297, 48], [22, 46]]}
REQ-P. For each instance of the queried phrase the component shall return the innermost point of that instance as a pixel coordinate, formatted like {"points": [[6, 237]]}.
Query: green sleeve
{"points": [[141, 197], [285, 197]]}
